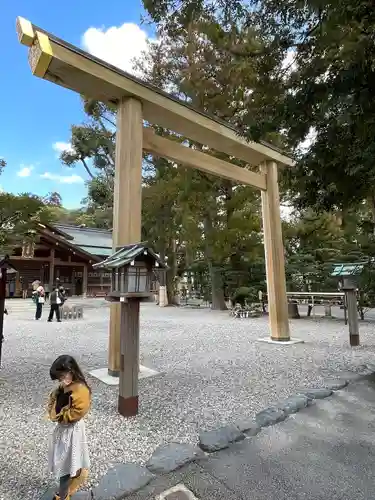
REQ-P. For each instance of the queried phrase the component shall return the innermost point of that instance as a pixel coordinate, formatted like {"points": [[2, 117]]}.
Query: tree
{"points": [[316, 78], [93, 147], [312, 242], [199, 69], [18, 216]]}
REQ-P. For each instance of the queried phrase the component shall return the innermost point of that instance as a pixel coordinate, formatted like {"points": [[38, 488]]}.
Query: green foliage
{"points": [[244, 295], [18, 216]]}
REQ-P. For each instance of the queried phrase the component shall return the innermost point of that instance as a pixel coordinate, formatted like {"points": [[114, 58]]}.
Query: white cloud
{"points": [[63, 179], [289, 63], [25, 170], [304, 146], [60, 147], [117, 45]]}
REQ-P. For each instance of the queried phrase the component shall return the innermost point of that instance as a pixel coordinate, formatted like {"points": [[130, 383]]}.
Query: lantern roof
{"points": [[126, 254]]}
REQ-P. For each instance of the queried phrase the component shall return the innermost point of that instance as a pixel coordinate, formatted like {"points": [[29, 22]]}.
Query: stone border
{"points": [[125, 479]]}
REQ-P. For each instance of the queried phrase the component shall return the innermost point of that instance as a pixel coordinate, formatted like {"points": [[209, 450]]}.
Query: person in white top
{"points": [[39, 299]]}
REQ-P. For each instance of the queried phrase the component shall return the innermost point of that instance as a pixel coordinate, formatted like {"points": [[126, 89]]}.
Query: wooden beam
{"points": [[274, 253], [174, 151], [126, 229], [29, 259], [77, 70]]}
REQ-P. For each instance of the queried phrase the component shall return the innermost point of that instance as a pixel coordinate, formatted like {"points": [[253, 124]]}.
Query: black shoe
{"points": [[59, 320], [49, 320]]}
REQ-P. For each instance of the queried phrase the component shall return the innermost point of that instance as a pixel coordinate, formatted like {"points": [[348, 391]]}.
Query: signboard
{"points": [[347, 269]]}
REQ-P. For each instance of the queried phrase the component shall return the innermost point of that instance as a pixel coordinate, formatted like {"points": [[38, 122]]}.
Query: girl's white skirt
{"points": [[68, 451]]}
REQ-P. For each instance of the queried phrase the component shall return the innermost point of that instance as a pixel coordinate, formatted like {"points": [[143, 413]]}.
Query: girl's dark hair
{"points": [[64, 364]]}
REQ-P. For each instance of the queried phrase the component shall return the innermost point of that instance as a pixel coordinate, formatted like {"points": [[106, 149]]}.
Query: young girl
{"points": [[68, 404]]}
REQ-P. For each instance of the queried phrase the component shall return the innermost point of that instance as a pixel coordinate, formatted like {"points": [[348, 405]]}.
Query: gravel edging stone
{"points": [[316, 393], [249, 427], [170, 457], [270, 416], [336, 385], [121, 480], [219, 439], [295, 403]]}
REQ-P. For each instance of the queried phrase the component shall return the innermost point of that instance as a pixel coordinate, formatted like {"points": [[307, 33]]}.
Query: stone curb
{"points": [[125, 479]]}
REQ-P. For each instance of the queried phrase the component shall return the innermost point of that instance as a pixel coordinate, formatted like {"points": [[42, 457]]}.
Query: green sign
{"points": [[347, 269]]}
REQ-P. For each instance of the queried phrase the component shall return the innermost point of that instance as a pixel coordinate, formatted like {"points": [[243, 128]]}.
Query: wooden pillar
{"points": [[129, 361], [84, 280], [274, 253], [52, 270], [127, 203]]}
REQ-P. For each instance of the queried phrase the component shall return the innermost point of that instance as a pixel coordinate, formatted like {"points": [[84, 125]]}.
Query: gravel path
{"points": [[212, 371]]}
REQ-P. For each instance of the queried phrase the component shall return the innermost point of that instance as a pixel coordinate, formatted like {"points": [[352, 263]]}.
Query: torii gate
{"points": [[63, 64]]}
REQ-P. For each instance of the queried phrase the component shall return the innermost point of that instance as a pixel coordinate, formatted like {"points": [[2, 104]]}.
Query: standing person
{"points": [[38, 297], [61, 289], [46, 291], [25, 288], [68, 405], [55, 301]]}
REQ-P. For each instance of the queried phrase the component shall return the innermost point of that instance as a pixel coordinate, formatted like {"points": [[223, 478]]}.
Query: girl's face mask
{"points": [[66, 379]]}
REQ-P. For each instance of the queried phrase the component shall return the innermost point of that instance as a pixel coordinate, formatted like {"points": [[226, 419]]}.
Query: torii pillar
{"points": [[274, 256], [127, 204]]}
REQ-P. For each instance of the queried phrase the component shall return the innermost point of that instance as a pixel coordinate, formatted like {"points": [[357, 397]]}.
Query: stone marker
{"points": [[219, 439], [122, 480], [270, 416], [316, 393], [172, 456]]}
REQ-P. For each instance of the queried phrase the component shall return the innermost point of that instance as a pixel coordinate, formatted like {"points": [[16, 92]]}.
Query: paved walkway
{"points": [[323, 452]]}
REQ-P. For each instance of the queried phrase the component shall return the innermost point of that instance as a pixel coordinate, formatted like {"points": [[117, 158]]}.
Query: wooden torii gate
{"points": [[63, 64]]}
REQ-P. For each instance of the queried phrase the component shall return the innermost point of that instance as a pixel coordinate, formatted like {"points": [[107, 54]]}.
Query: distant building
{"points": [[65, 252]]}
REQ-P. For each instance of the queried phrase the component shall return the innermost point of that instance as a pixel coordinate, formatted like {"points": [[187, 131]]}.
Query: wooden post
{"points": [[52, 270], [84, 281], [129, 362], [274, 253], [351, 300], [127, 204]]}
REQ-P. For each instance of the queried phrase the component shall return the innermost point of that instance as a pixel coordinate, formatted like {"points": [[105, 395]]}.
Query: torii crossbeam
{"points": [[63, 64]]}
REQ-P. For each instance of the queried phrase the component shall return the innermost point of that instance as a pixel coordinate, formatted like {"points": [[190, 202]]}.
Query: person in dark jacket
{"points": [[56, 299]]}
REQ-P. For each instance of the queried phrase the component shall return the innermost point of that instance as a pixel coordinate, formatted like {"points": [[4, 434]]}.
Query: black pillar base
{"points": [[354, 340], [128, 407]]}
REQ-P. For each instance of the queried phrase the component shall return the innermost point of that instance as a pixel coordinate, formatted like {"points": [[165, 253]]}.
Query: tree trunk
{"points": [[216, 278], [171, 273], [217, 286]]}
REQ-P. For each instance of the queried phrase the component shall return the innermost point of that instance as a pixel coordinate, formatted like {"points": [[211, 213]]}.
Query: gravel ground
{"points": [[212, 371]]}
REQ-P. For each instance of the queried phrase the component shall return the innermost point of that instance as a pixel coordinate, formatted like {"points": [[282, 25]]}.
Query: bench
{"points": [[193, 302]]}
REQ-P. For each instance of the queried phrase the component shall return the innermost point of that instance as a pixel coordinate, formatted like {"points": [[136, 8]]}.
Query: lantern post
{"points": [[348, 274], [132, 268]]}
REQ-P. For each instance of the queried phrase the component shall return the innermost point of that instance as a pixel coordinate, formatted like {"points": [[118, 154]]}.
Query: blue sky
{"points": [[36, 115]]}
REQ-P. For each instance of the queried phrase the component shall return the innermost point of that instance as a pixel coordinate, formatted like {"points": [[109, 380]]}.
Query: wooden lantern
{"points": [[132, 268]]}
